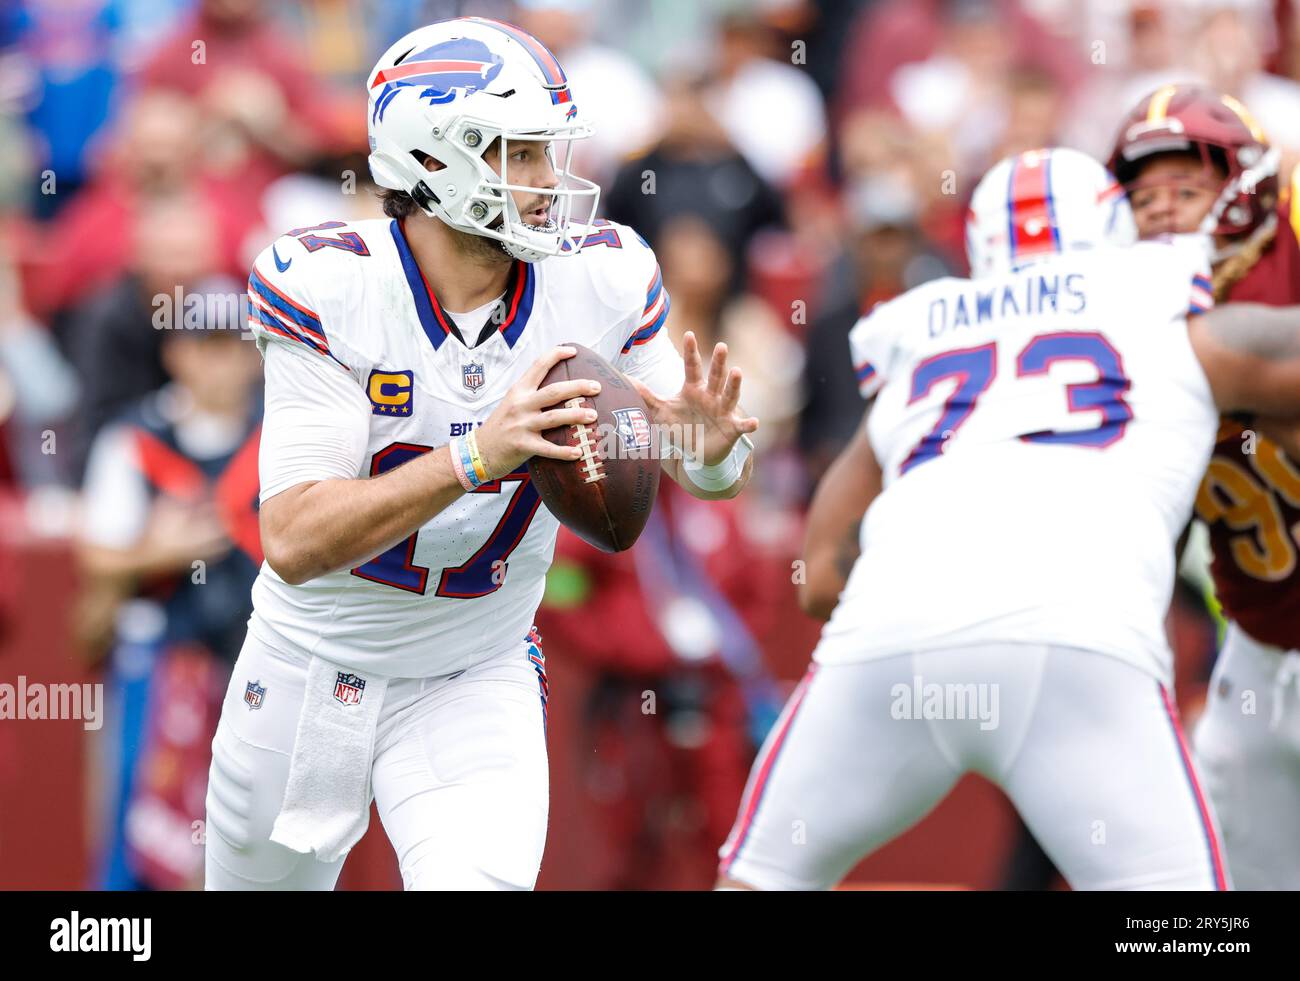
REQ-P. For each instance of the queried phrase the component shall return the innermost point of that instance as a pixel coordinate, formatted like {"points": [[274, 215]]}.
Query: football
{"points": [[606, 496]]}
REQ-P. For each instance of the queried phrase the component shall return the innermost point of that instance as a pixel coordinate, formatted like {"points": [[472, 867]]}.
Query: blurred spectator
{"points": [[1035, 113], [694, 258], [694, 169], [750, 84], [156, 154], [941, 63], [342, 39], [679, 694], [1145, 56], [616, 95], [887, 256], [38, 388], [114, 338], [170, 549], [1229, 52], [268, 111], [339, 188], [67, 69]]}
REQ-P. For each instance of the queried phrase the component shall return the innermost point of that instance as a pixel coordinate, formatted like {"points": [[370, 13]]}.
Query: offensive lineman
{"points": [[390, 653], [1193, 160], [1041, 430]]}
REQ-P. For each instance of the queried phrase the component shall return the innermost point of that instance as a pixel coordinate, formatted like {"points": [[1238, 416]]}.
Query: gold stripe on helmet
{"points": [[1295, 201], [1244, 115], [1159, 104]]}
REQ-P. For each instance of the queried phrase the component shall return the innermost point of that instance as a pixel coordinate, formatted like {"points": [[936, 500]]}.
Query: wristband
{"points": [[458, 464], [722, 475], [479, 472]]}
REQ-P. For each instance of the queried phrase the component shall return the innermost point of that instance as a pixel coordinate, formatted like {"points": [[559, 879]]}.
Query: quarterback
{"points": [[391, 655]]}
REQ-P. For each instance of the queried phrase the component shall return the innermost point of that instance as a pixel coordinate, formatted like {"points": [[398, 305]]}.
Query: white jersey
{"points": [[1042, 435], [364, 372]]}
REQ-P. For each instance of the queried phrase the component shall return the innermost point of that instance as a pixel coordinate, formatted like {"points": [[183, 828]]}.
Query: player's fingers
{"points": [[561, 417], [544, 447], [691, 358], [731, 390], [534, 375], [560, 392], [717, 368]]}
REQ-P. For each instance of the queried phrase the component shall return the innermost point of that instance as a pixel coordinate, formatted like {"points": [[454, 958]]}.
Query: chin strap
{"points": [[1235, 259]]}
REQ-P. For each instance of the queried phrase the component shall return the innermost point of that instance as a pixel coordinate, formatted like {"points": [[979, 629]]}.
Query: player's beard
{"points": [[480, 248]]}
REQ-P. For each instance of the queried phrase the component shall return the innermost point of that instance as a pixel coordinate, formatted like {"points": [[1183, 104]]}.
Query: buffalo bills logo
{"points": [[442, 72]]}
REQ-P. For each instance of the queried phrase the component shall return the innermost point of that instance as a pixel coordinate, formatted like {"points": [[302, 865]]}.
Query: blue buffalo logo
{"points": [[442, 72]]}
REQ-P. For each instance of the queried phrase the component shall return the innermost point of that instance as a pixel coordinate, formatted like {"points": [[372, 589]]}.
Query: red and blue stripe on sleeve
{"points": [[1202, 295], [657, 304], [285, 317], [868, 378]]}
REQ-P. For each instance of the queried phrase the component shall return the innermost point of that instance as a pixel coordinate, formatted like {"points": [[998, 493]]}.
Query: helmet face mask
{"points": [[456, 89]]}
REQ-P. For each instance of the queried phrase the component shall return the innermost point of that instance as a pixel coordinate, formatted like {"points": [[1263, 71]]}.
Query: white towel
{"points": [[326, 806]]}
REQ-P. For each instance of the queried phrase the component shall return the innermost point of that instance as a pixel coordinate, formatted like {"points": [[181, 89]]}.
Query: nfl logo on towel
{"points": [[348, 688], [633, 428], [253, 695], [472, 376]]}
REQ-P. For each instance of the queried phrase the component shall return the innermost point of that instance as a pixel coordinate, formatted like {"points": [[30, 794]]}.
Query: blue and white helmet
{"points": [[1042, 202], [450, 90]]}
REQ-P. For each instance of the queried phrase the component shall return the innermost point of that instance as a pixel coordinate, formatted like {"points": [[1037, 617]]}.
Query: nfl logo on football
{"points": [[472, 377], [633, 429], [253, 695], [348, 688]]}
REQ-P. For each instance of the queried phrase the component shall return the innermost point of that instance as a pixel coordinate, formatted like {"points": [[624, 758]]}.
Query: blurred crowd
{"points": [[792, 163]]}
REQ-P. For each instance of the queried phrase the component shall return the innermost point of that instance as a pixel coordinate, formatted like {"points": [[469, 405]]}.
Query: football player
{"points": [[1040, 431], [390, 653], [1194, 160]]}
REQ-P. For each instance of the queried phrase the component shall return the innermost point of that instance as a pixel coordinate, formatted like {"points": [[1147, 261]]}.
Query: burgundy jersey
{"points": [[1250, 497]]}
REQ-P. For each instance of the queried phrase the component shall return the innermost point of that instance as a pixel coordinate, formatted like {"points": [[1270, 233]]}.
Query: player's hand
{"points": [[179, 533], [707, 404], [513, 432]]}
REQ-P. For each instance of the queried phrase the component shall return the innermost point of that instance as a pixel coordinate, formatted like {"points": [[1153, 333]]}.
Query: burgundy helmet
{"points": [[1219, 128]]}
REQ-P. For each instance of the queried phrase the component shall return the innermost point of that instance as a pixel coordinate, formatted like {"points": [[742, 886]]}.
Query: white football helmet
{"points": [[450, 90], [1042, 202]]}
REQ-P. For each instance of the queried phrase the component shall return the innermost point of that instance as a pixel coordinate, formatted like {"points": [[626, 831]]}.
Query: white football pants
{"points": [[1248, 748], [1088, 748], [459, 776]]}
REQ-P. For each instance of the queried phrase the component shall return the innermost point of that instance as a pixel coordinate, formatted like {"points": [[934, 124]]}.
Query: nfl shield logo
{"points": [[253, 695], [348, 688], [633, 428], [472, 376]]}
